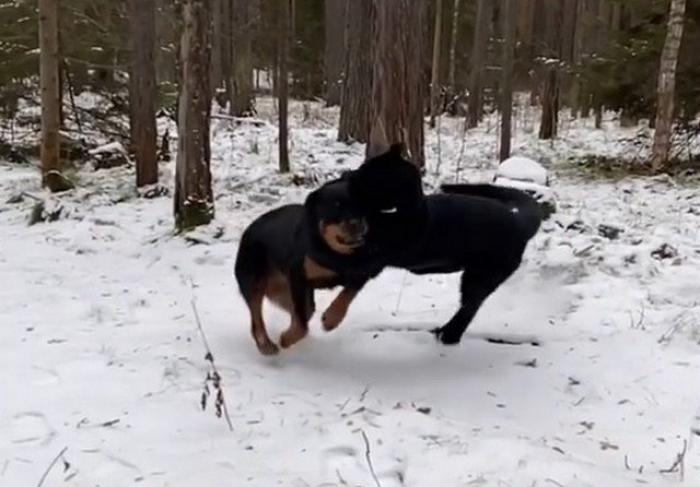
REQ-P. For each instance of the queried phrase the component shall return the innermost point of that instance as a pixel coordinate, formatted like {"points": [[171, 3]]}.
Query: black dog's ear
{"points": [[311, 200], [397, 149]]}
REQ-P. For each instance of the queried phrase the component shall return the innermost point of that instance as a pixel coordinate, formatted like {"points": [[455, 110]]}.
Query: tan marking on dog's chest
{"points": [[316, 272]]}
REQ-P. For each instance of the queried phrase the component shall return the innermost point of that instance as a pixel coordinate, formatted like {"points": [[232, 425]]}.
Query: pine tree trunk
{"points": [[481, 31], [667, 87], [242, 98], [284, 34], [50, 97], [217, 40], [435, 69], [194, 202], [227, 52], [334, 56], [355, 102], [142, 87], [397, 85], [550, 90], [453, 47], [506, 97]]}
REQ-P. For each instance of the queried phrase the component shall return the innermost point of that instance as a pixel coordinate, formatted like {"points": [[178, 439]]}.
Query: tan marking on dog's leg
{"points": [[297, 331], [257, 324], [336, 311]]}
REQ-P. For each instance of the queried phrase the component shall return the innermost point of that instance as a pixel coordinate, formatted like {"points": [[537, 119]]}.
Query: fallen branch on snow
{"points": [[51, 465]]}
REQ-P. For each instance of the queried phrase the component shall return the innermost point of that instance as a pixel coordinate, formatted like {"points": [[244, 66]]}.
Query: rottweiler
{"points": [[480, 230], [287, 253]]}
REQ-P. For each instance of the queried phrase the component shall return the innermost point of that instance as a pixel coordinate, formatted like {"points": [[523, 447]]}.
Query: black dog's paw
{"points": [[446, 336]]}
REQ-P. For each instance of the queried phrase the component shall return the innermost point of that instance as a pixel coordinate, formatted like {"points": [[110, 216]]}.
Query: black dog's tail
{"points": [[520, 201]]}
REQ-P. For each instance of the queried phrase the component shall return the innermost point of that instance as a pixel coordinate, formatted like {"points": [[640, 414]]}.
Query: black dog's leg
{"points": [[303, 307], [475, 288]]}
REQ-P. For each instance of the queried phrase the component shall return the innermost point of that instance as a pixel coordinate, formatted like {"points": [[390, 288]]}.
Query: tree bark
{"points": [[453, 47], [142, 87], [506, 98], [243, 102], [481, 30], [435, 71], [667, 87], [397, 84], [49, 67], [550, 90], [217, 41], [284, 34], [334, 56], [355, 102], [194, 202]]}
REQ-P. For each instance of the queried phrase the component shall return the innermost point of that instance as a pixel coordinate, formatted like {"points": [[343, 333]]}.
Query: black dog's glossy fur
{"points": [[479, 229]]}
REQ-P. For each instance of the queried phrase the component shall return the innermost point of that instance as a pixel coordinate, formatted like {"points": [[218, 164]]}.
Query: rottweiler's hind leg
{"points": [[265, 345]]}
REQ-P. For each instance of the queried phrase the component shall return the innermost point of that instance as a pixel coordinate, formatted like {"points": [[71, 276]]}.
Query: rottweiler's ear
{"points": [[397, 149], [311, 200]]}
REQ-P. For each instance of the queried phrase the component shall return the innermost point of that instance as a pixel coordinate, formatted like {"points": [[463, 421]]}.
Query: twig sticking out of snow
{"points": [[368, 456], [213, 376], [51, 465], [679, 463]]}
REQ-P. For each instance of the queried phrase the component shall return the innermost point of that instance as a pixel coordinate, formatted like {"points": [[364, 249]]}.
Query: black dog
{"points": [[288, 252], [480, 230]]}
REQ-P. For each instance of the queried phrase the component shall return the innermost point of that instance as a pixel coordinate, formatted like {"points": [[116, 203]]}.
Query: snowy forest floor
{"points": [[100, 352]]}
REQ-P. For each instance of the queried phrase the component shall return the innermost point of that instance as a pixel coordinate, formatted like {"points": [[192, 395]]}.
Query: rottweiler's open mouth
{"points": [[352, 242]]}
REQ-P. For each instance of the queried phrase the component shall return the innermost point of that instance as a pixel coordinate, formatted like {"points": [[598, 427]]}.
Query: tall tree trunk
{"points": [[334, 56], [142, 87], [667, 87], [506, 98], [227, 51], [481, 31], [50, 97], [194, 202], [550, 90], [355, 102], [397, 84], [435, 71], [453, 47], [284, 34], [217, 41], [242, 98]]}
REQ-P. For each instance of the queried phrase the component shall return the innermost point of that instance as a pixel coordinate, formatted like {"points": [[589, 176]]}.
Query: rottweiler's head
{"points": [[337, 217]]}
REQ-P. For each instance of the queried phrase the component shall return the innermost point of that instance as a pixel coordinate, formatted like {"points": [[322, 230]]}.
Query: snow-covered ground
{"points": [[101, 356]]}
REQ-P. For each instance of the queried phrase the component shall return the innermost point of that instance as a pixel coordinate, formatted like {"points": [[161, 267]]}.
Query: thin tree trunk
{"points": [[217, 40], [194, 202], [334, 56], [397, 85], [355, 102], [435, 71], [550, 91], [506, 98], [50, 97], [142, 86], [283, 83], [475, 103], [227, 51], [453, 47], [242, 99], [667, 87]]}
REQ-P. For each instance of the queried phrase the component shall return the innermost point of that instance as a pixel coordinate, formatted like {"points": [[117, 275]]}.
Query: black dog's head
{"points": [[337, 217], [389, 192]]}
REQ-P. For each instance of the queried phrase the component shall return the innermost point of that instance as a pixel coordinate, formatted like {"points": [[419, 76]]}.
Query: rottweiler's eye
{"points": [[389, 211]]}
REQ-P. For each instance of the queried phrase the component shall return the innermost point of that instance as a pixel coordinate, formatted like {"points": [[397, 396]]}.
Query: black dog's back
{"points": [[526, 209]]}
